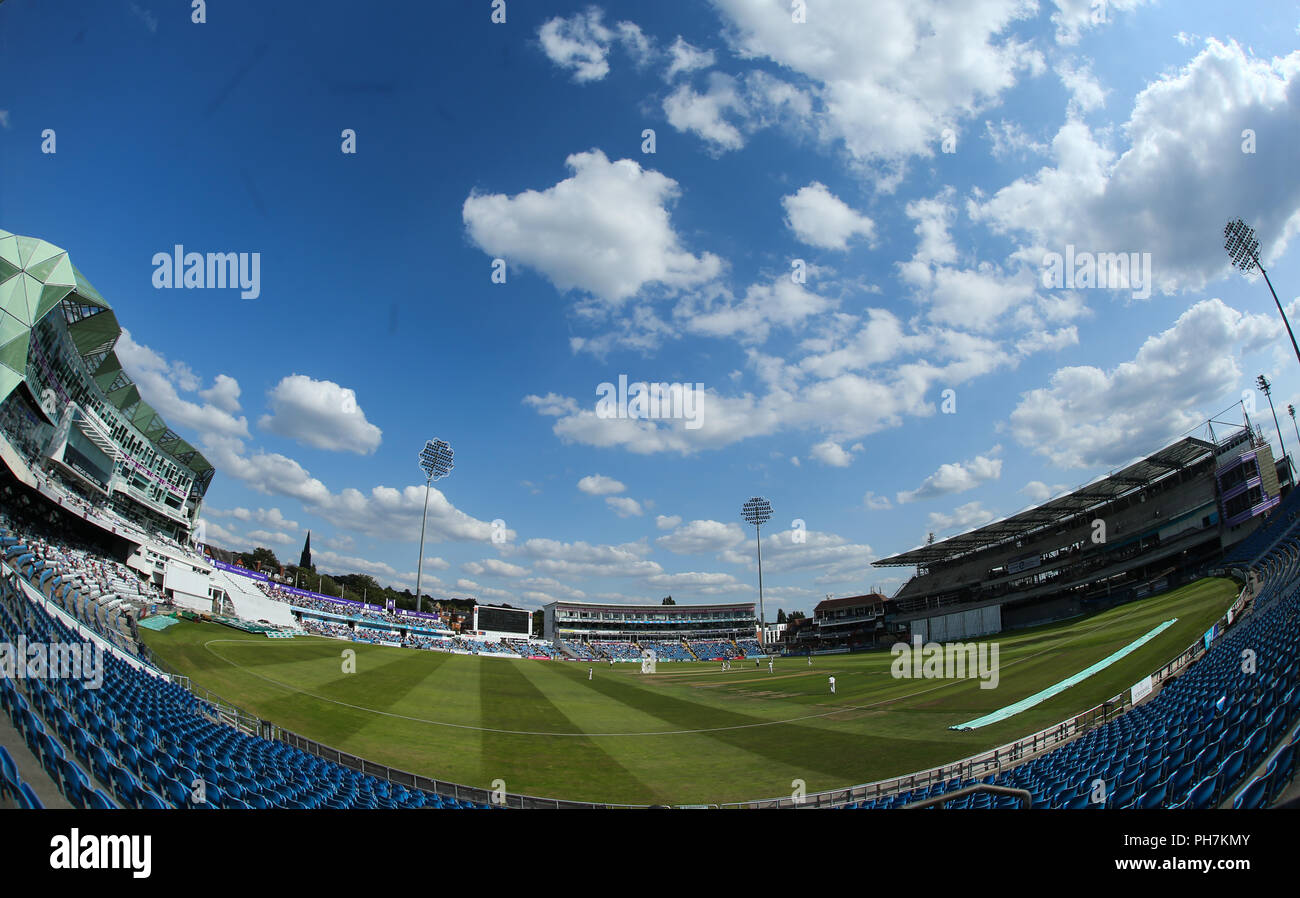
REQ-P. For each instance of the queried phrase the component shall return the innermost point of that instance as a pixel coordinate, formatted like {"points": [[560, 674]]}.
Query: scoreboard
{"points": [[503, 620]]}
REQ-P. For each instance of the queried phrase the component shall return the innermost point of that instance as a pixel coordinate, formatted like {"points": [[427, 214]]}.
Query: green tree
{"points": [[668, 600]]}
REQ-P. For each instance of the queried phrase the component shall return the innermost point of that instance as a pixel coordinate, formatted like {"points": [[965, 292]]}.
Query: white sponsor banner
{"points": [[1141, 689]]}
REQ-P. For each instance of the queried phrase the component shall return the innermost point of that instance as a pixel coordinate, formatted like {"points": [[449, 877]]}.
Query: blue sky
{"points": [[920, 159]]}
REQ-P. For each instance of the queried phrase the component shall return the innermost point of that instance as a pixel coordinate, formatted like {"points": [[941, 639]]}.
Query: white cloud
{"points": [[889, 75], [1088, 417], [831, 453], [495, 567], [667, 522], [224, 393], [160, 383], [271, 517], [625, 506], [322, 414], [605, 230], [876, 503], [1086, 93], [702, 537], [1183, 176], [821, 219], [962, 518], [1073, 17], [581, 43], [837, 559], [701, 582], [267, 537], [1009, 139], [1037, 491], [779, 302], [956, 477], [730, 109], [686, 58], [600, 485], [582, 559], [705, 114]]}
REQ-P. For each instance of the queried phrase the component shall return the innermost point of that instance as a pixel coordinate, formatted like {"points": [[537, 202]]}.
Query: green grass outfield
{"points": [[688, 734]]}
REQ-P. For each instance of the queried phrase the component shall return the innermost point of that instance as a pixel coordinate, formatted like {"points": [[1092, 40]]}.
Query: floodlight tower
{"points": [[1290, 410], [1267, 389], [1243, 251], [436, 463], [758, 511]]}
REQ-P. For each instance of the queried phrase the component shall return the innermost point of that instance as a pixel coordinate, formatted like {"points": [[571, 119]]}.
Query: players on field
{"points": [[832, 679]]}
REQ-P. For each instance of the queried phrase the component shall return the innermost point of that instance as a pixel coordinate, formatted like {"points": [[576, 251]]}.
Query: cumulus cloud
{"points": [[600, 485], [779, 302], [1073, 17], [831, 453], [956, 477], [625, 506], [1038, 491], [889, 75], [961, 519], [321, 414], [820, 218], [1181, 178], [731, 108], [702, 537], [161, 383], [685, 58], [1090, 417], [581, 43], [605, 231]]}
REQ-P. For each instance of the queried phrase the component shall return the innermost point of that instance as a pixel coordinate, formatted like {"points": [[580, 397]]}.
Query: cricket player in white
{"points": [[832, 679], [770, 668], [590, 671]]}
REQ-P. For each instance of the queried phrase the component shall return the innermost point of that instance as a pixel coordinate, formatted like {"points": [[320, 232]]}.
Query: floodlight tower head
{"points": [[1264, 386], [757, 511], [436, 459], [1239, 240]]}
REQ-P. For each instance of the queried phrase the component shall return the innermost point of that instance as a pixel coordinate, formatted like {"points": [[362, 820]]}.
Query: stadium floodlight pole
{"points": [[436, 462], [1267, 389], [1243, 251], [1290, 410], [758, 511]]}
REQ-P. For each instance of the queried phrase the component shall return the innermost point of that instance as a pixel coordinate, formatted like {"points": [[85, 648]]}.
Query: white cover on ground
{"points": [[250, 602]]}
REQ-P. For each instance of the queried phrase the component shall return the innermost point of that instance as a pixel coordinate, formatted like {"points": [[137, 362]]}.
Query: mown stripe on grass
{"points": [[508, 698]]}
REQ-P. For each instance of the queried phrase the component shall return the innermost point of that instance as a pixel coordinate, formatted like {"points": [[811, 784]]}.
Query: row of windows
{"points": [[138, 458]]}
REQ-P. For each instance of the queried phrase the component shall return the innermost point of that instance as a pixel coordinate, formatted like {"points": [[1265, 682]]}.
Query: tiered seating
{"points": [[12, 787], [104, 595], [1279, 522], [150, 741], [1194, 743], [581, 651], [667, 651], [750, 647], [616, 651], [709, 650]]}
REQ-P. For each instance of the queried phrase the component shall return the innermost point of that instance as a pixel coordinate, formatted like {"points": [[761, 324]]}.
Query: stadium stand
{"points": [[151, 741], [250, 602], [713, 650], [1200, 738]]}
